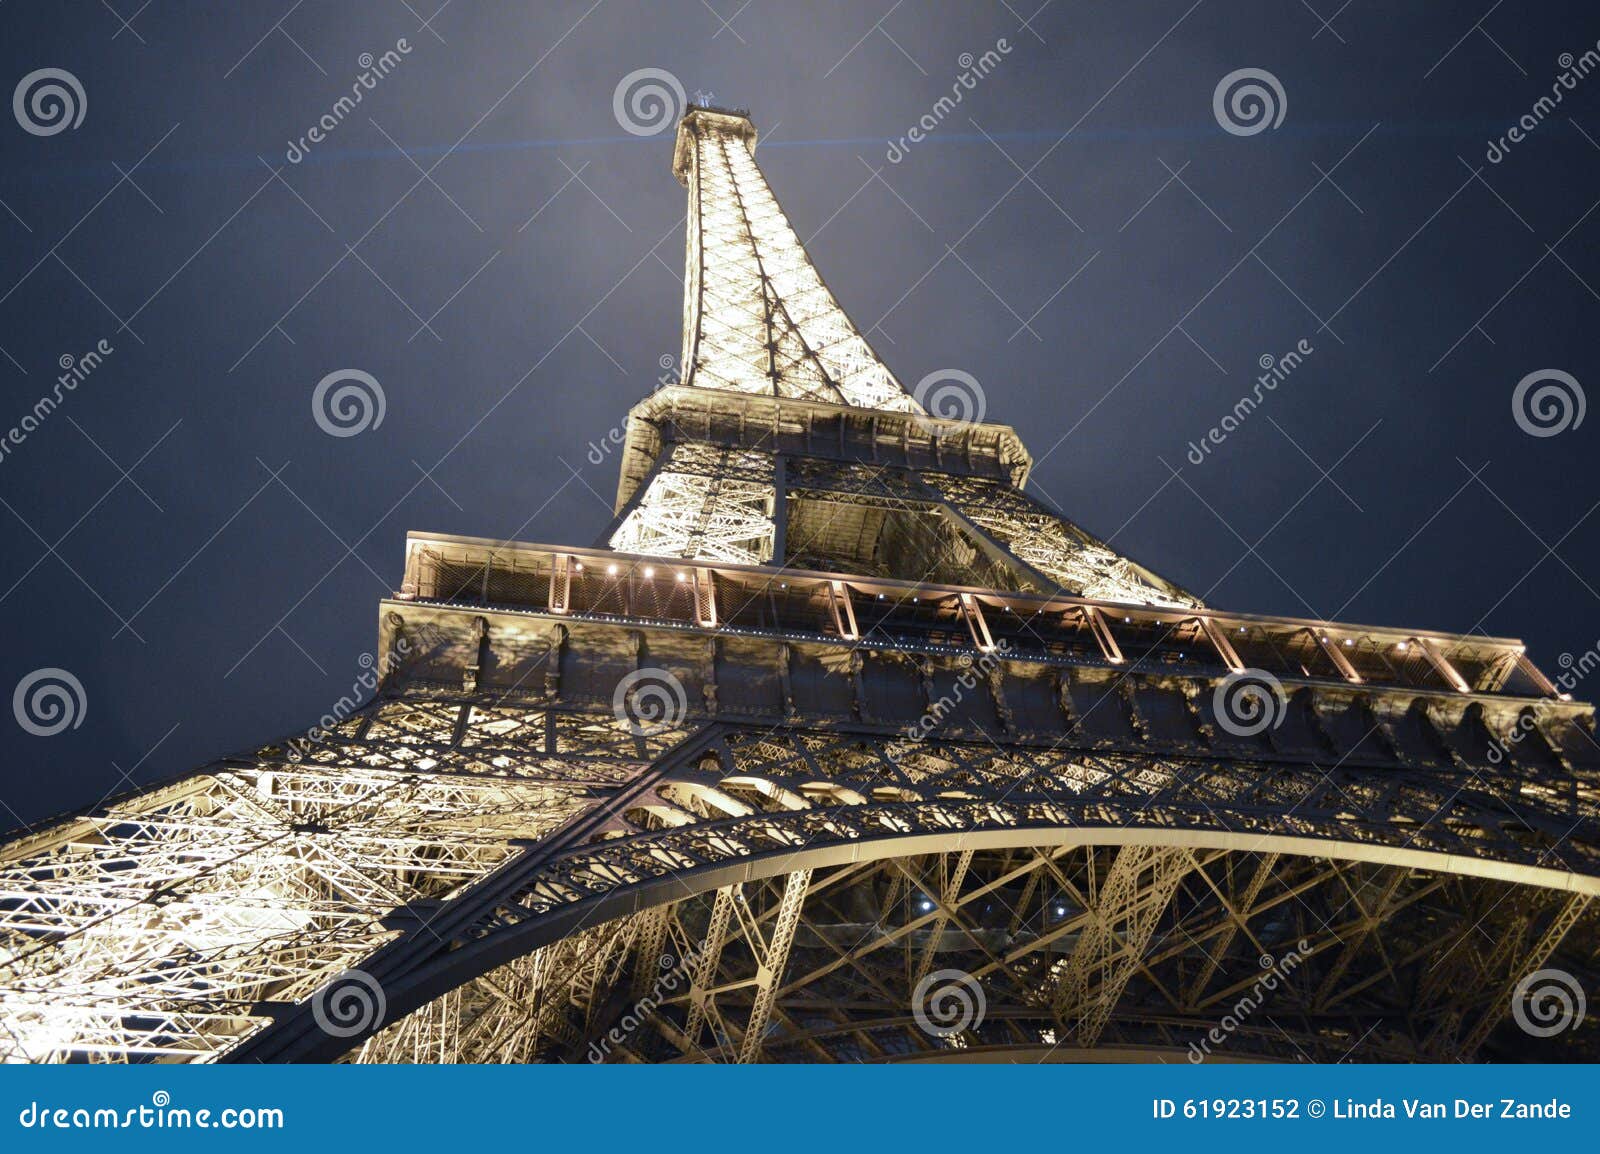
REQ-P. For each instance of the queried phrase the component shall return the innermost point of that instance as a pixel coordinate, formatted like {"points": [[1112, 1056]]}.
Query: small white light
{"points": [[1401, 646], [611, 569], [1349, 641], [578, 565], [682, 577], [649, 572]]}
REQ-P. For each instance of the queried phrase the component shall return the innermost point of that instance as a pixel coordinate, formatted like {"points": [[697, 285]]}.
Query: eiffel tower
{"points": [[840, 746]]}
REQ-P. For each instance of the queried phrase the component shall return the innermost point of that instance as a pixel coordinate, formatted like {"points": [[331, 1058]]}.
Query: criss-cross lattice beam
{"points": [[758, 318], [1135, 895]]}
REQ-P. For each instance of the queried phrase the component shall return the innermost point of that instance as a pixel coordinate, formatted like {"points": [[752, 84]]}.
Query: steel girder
{"points": [[479, 857], [844, 994], [740, 806]]}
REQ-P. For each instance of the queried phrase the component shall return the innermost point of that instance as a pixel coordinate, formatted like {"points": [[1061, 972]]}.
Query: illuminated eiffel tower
{"points": [[841, 747]]}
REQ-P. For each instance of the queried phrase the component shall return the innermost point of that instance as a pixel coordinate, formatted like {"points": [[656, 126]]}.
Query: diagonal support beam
{"points": [[1566, 917], [1136, 891], [776, 957]]}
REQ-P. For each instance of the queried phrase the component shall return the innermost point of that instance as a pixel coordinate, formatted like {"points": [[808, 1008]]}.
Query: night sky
{"points": [[485, 239]]}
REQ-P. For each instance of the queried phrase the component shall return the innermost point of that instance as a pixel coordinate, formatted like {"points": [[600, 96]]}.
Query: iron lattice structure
{"points": [[838, 730]]}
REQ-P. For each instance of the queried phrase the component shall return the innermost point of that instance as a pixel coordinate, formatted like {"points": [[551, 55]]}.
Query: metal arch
{"points": [[853, 1007], [516, 938]]}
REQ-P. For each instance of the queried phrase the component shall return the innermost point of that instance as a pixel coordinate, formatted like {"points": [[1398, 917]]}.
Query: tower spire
{"points": [[773, 371], [757, 317]]}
